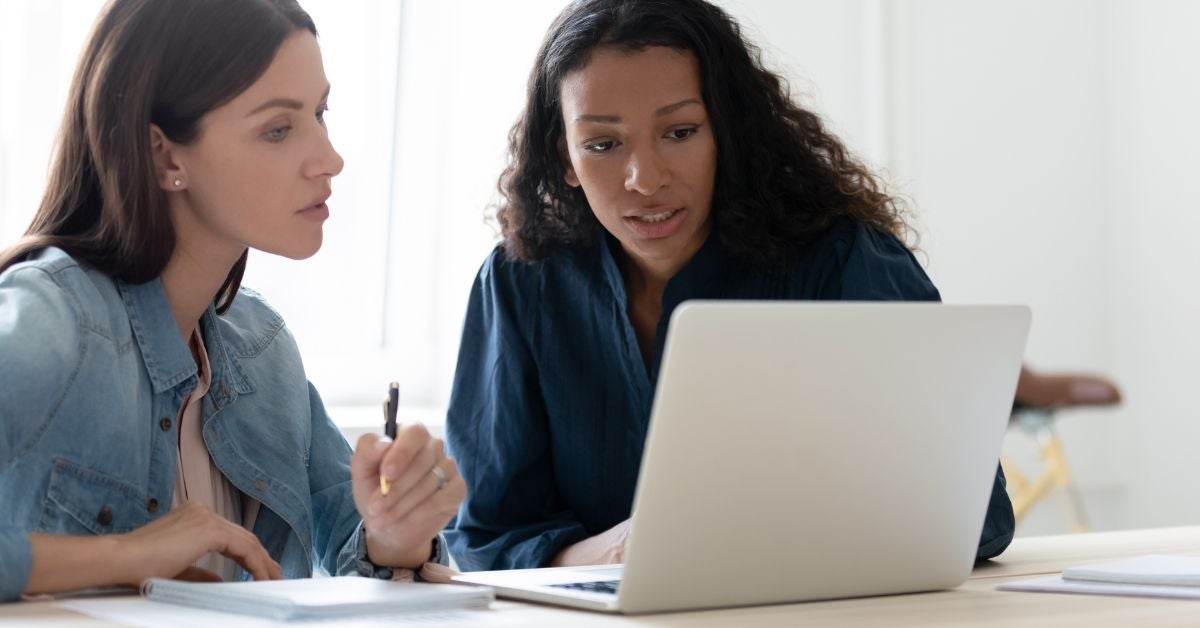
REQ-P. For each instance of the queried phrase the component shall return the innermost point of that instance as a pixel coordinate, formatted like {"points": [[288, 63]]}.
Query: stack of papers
{"points": [[319, 598], [1145, 576]]}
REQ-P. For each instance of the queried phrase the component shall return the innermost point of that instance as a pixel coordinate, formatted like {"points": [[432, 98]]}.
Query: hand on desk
{"points": [[165, 548], [424, 494], [606, 548]]}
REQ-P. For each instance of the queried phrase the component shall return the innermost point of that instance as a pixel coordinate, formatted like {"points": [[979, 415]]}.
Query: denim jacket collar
{"points": [[166, 355]]}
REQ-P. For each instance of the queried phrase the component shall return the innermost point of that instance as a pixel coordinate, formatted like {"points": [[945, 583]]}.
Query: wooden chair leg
{"points": [[1056, 466]]}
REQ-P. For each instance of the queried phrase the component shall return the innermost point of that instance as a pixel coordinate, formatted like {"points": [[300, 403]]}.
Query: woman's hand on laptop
{"points": [[424, 491], [606, 548]]}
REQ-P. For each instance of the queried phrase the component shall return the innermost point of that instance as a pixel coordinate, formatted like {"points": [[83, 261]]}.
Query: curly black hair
{"points": [[781, 179]]}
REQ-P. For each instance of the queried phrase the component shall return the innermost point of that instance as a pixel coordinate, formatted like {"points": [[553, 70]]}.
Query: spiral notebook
{"points": [[317, 598]]}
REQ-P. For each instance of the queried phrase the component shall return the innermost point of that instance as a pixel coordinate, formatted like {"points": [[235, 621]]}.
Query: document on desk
{"points": [[142, 613], [316, 598], [1176, 577]]}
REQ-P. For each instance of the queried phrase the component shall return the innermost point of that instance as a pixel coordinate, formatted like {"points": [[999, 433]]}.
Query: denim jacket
{"points": [[92, 375]]}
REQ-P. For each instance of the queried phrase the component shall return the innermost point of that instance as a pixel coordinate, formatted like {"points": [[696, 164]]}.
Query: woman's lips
{"points": [[658, 224], [316, 212]]}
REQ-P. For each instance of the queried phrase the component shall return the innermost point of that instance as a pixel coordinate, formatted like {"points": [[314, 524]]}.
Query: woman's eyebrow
{"points": [[286, 103], [672, 108], [661, 111]]}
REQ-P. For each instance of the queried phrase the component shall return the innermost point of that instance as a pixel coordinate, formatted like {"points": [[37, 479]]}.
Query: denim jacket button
{"points": [[165, 424], [105, 516], [152, 505]]}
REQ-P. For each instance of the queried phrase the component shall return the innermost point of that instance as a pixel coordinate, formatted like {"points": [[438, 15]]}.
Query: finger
{"points": [[261, 566], [440, 574], [442, 501], [417, 469], [196, 574], [253, 562], [410, 441], [422, 523], [367, 455], [425, 487], [266, 565], [244, 548]]}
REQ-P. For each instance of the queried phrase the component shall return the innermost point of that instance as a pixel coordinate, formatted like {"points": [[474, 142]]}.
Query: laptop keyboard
{"points": [[602, 586]]}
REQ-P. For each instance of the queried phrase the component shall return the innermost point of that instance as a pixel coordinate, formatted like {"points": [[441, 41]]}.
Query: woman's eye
{"points": [[681, 134], [321, 115], [277, 134], [599, 147]]}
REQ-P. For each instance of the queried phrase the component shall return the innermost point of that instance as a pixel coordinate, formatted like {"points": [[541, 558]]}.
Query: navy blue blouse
{"points": [[552, 398]]}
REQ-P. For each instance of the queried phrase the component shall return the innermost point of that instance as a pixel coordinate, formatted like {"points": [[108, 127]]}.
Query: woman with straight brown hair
{"points": [[155, 418]]}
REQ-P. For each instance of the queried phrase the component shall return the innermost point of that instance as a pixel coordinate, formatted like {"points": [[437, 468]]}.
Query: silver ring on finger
{"points": [[440, 476]]}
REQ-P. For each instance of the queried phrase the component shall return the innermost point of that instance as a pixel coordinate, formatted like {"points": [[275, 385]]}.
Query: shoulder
{"points": [[53, 278], [499, 267], [865, 263], [565, 265], [48, 293], [846, 238]]}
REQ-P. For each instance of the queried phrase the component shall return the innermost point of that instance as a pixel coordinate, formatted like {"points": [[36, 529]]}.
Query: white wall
{"points": [[1153, 96]]}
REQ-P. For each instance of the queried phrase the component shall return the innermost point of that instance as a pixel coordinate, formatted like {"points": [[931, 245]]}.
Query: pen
{"points": [[389, 426]]}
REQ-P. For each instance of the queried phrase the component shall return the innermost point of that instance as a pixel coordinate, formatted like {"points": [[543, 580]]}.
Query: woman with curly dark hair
{"points": [[657, 160]]}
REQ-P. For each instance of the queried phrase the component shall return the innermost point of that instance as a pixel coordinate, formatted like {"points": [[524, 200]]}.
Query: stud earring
{"points": [[178, 182]]}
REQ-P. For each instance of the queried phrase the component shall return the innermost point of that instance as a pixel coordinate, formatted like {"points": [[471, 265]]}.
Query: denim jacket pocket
{"points": [[81, 501]]}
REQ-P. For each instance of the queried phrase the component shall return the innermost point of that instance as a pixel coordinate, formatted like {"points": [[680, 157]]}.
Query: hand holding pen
{"points": [[405, 488]]}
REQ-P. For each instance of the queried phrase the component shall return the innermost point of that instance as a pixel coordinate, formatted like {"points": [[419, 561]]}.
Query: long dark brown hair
{"points": [[166, 62], [781, 180]]}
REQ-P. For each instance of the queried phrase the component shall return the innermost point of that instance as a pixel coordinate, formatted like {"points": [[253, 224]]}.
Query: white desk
{"points": [[974, 604]]}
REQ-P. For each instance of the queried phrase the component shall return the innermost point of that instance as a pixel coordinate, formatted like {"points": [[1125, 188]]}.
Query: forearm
{"points": [[606, 548], [591, 551], [69, 563]]}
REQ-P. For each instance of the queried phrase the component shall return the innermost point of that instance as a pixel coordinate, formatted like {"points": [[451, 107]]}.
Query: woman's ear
{"points": [[564, 157], [167, 171]]}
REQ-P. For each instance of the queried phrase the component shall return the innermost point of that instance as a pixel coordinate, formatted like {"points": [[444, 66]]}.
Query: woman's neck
{"points": [[647, 278], [197, 269], [191, 281]]}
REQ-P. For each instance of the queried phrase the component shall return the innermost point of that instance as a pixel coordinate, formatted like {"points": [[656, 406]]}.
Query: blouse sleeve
{"points": [[496, 427]]}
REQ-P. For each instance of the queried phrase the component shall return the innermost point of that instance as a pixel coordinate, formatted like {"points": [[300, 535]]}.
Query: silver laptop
{"points": [[806, 451]]}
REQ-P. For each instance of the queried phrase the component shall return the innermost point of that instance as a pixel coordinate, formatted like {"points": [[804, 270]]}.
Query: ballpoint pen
{"points": [[389, 426]]}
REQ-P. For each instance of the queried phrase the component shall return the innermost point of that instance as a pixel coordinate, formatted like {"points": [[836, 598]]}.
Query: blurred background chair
{"points": [[1038, 399]]}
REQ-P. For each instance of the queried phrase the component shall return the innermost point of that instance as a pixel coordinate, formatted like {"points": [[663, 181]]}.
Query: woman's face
{"points": [[259, 173], [639, 142]]}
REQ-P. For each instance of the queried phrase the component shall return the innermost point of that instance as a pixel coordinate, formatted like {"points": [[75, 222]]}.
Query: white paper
{"points": [[1151, 569], [135, 611], [1056, 584], [317, 598]]}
